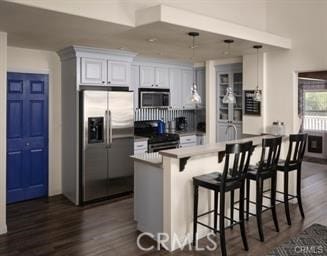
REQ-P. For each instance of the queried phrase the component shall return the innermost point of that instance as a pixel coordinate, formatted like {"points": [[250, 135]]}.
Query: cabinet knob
{"points": [[109, 82], [103, 82], [157, 85], [152, 85]]}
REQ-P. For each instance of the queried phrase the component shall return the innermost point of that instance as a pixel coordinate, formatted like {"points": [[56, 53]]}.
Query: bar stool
{"points": [[229, 180], [266, 169], [293, 162]]}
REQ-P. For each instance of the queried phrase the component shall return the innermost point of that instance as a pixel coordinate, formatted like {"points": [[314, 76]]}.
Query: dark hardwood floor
{"points": [[55, 227]]}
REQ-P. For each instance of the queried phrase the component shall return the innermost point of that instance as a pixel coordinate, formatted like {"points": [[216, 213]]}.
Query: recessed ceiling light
{"points": [[152, 40]]}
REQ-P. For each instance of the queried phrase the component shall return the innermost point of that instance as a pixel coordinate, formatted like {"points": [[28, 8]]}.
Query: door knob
{"points": [[27, 144]]}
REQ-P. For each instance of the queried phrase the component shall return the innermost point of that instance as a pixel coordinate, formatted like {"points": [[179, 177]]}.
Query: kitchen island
{"points": [[164, 190]]}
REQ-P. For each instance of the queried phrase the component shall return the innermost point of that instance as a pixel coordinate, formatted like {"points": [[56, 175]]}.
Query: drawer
{"points": [[186, 145], [187, 139], [141, 145]]}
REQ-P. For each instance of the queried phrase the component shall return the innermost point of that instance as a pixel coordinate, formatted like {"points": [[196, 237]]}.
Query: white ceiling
{"points": [[31, 27]]}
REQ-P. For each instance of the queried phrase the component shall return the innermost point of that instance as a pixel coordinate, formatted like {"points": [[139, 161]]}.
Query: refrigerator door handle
{"points": [[110, 127], [107, 127]]}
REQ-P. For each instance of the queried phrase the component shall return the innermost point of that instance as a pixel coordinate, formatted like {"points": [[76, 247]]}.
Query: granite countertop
{"points": [[210, 148], [149, 158]]}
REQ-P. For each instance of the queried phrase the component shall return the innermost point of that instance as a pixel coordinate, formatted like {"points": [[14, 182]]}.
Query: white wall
{"points": [[305, 23], [3, 127], [35, 61], [250, 13]]}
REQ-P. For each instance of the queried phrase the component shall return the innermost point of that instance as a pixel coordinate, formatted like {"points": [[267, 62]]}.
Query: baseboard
{"points": [[3, 229]]}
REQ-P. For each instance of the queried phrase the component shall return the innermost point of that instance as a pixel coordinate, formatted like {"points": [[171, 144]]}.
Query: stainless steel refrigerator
{"points": [[107, 130]]}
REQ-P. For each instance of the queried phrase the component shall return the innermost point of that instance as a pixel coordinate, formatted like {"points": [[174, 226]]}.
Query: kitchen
{"points": [[165, 85]]}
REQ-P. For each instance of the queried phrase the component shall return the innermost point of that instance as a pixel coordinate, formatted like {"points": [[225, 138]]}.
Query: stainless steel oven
{"points": [[154, 98], [155, 147]]}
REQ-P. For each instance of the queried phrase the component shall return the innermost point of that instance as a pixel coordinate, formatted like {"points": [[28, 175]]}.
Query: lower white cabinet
{"points": [[187, 141], [200, 139], [140, 147], [222, 135]]}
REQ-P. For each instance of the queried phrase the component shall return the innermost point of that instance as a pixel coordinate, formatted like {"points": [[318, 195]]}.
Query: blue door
{"points": [[27, 136]]}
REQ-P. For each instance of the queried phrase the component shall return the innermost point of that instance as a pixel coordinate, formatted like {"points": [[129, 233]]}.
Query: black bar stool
{"points": [[293, 162], [266, 169], [229, 180]]}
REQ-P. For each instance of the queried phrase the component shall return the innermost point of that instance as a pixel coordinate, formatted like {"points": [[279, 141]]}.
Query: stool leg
{"points": [[247, 198], [216, 211], [259, 183], [241, 216], [222, 223], [195, 212], [287, 208], [273, 201], [298, 191], [231, 208]]}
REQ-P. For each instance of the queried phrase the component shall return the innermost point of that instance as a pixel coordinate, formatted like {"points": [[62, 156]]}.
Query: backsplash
{"points": [[193, 116]]}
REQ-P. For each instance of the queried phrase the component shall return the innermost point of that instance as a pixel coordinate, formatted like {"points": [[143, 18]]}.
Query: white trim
{"points": [[29, 71], [3, 229]]}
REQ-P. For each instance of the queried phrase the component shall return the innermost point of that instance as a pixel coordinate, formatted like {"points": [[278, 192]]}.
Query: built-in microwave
{"points": [[154, 98]]}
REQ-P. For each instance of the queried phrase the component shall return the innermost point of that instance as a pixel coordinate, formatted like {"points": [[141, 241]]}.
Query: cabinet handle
{"points": [[157, 85]]}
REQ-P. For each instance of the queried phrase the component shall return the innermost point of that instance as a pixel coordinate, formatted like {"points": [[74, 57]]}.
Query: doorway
{"points": [[27, 136]]}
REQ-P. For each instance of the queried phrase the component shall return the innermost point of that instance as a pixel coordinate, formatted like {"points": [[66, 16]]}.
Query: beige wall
{"points": [[35, 61], [250, 13], [305, 23], [3, 136]]}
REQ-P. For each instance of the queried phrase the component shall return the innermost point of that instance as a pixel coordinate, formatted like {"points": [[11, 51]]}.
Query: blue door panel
{"points": [[15, 119], [27, 136]]}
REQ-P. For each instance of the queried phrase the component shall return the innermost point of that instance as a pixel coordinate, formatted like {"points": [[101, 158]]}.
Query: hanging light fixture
{"points": [[195, 97], [229, 98], [257, 93]]}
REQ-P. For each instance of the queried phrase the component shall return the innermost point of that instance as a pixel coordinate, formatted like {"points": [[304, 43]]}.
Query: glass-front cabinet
{"points": [[229, 75]]}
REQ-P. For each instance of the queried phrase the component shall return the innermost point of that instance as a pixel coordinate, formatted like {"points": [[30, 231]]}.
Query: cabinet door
{"points": [[94, 71], [161, 77], [135, 83], [175, 84], [187, 82], [119, 73], [201, 85], [147, 76]]}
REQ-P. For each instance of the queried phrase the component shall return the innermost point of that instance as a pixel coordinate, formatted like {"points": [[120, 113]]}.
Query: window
{"points": [[315, 110]]}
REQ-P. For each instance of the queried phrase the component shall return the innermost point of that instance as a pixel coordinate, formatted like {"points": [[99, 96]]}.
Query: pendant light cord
{"points": [[257, 68]]}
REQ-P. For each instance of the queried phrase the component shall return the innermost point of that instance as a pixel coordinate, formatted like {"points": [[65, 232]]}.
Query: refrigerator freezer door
{"points": [[121, 142], [95, 157]]}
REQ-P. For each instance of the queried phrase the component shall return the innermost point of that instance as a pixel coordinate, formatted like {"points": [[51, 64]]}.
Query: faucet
{"points": [[231, 125]]}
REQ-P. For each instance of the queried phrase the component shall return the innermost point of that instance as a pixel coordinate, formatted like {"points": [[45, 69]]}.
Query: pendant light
{"points": [[229, 98], [257, 93], [195, 97]]}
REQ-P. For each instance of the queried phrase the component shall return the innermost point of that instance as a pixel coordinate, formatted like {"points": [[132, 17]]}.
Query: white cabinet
{"points": [[147, 76], [187, 141], [222, 135], [97, 71], [135, 83], [140, 147], [200, 139], [200, 78], [187, 82], [118, 73], [152, 76], [161, 77], [175, 84], [93, 71]]}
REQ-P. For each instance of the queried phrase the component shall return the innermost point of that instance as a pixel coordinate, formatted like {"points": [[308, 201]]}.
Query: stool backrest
{"points": [[236, 170], [269, 154], [296, 149]]}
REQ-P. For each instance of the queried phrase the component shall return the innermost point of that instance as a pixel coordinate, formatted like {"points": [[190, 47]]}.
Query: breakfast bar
{"points": [[164, 191]]}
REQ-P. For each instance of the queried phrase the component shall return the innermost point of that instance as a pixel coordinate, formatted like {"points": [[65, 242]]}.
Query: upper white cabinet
{"points": [[119, 73], [155, 77], [147, 76], [161, 77], [187, 82], [93, 71], [175, 84]]}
